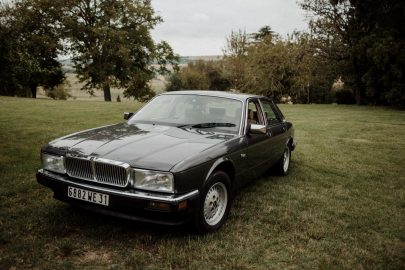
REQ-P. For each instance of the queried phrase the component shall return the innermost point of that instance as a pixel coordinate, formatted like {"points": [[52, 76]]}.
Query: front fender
{"points": [[218, 162]]}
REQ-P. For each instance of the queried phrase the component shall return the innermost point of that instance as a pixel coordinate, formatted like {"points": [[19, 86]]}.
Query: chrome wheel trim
{"points": [[286, 159], [215, 203]]}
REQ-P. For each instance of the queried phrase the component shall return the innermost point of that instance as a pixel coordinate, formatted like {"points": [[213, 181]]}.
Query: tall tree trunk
{"points": [[33, 89], [307, 93], [358, 85], [107, 91]]}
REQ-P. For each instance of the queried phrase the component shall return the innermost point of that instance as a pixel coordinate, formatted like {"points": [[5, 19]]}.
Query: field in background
{"points": [[158, 85], [341, 207]]}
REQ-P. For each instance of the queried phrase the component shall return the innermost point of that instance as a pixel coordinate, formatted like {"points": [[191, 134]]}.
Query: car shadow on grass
{"points": [[64, 220]]}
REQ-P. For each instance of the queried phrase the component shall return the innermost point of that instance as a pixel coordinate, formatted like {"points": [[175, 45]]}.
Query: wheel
{"points": [[214, 203], [284, 163]]}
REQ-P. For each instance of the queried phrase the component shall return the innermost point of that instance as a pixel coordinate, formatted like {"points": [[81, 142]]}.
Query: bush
{"points": [[199, 75], [59, 92], [344, 97]]}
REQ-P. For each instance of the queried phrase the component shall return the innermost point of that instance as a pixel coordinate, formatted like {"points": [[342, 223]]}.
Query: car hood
{"points": [[144, 146]]}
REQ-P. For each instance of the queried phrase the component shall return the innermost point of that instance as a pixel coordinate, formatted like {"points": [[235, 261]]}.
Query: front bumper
{"points": [[125, 203]]}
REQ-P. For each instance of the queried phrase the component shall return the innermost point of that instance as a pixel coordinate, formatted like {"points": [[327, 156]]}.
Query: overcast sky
{"points": [[199, 27]]}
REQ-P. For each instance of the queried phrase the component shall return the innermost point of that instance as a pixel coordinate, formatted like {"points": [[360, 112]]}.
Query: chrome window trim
{"points": [[242, 119], [245, 131]]}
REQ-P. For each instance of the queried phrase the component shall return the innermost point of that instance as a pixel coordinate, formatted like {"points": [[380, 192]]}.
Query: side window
{"points": [[254, 113], [269, 112]]}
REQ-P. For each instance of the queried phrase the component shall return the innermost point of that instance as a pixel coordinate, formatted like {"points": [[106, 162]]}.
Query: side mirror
{"points": [[128, 115], [257, 129]]}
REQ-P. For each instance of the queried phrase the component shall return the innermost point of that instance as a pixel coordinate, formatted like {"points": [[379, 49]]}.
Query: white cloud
{"points": [[200, 27], [200, 17]]}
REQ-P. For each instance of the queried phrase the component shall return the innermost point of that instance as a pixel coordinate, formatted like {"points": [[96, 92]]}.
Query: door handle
{"points": [[284, 128]]}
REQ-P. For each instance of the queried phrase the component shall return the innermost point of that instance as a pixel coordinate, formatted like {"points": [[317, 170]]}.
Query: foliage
{"points": [[269, 67], [174, 82], [29, 46], [367, 39], [59, 92], [110, 42], [361, 43], [272, 66], [344, 96], [199, 75], [112, 45], [235, 53]]}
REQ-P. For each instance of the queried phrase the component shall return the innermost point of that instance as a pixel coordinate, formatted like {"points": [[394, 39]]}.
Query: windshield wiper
{"points": [[208, 125]]}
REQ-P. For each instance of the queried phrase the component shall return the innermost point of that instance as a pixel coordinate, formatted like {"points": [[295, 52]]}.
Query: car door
{"points": [[276, 130], [259, 145]]}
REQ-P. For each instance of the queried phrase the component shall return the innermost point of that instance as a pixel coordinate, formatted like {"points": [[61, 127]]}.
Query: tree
{"points": [[277, 67], [269, 68], [235, 56], [174, 82], [313, 75], [334, 29], [112, 46], [367, 39], [199, 75], [29, 48], [381, 44], [264, 32], [259, 64]]}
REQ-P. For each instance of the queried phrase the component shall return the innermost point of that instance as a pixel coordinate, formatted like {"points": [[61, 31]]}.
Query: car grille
{"points": [[98, 171]]}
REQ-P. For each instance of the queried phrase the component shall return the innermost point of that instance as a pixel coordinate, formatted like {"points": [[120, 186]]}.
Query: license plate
{"points": [[88, 196]]}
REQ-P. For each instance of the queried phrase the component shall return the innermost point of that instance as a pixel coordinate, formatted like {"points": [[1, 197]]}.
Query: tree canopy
{"points": [[367, 40], [29, 46], [266, 64], [199, 75], [109, 40], [112, 46]]}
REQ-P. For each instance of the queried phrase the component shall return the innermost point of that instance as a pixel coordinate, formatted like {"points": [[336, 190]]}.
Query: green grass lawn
{"points": [[341, 207]]}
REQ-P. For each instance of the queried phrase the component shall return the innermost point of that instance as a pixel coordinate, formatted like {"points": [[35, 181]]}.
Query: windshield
{"points": [[192, 111]]}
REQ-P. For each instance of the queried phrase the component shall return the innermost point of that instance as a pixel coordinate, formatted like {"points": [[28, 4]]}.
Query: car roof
{"points": [[224, 94]]}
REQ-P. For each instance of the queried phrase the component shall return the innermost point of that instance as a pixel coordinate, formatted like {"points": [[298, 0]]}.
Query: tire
{"points": [[284, 163], [214, 204]]}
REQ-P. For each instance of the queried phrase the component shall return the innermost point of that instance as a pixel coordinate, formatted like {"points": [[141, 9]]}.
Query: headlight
{"points": [[53, 163], [156, 181]]}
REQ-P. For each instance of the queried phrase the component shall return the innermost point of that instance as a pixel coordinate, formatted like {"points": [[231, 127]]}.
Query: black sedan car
{"points": [[179, 158]]}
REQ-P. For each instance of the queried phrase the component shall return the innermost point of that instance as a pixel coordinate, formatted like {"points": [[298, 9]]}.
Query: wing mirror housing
{"points": [[257, 129], [128, 115]]}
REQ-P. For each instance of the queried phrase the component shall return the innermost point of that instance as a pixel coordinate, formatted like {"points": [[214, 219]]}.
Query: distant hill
{"points": [[67, 63], [184, 60]]}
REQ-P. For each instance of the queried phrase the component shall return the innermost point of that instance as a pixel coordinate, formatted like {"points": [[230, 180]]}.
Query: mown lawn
{"points": [[341, 207]]}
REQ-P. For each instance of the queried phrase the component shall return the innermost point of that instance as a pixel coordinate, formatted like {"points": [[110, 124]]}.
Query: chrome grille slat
{"points": [[98, 170], [79, 168]]}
